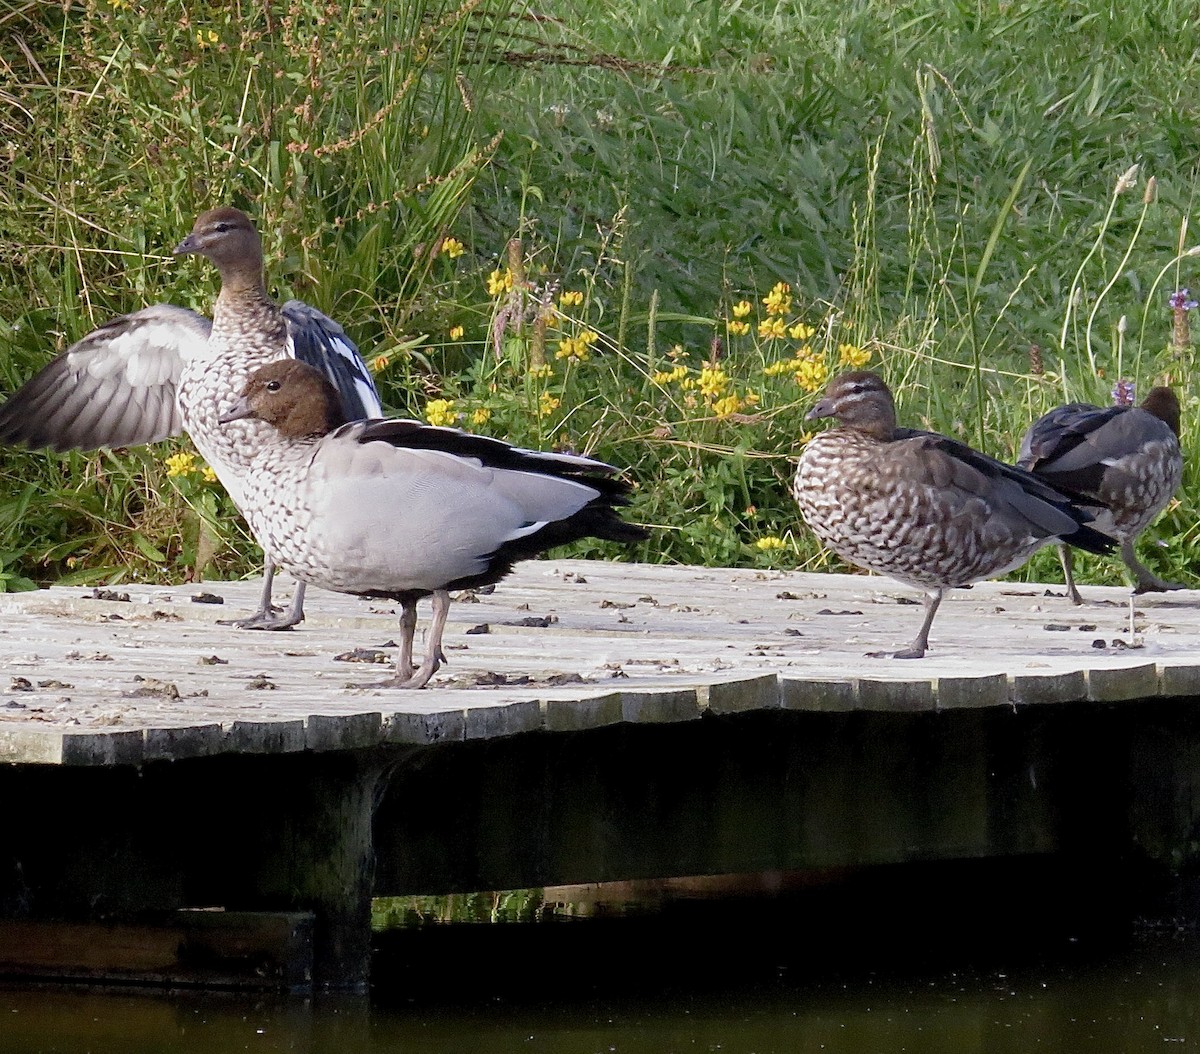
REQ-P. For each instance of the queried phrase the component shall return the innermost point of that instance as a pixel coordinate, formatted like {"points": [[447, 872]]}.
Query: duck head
{"points": [[860, 400], [227, 238], [290, 396]]}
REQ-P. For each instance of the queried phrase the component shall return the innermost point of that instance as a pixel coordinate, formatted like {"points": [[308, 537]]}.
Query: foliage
{"points": [[570, 227], [344, 127]]}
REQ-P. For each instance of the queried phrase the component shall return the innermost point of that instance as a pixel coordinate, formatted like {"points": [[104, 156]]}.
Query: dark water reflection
{"points": [[1030, 968]]}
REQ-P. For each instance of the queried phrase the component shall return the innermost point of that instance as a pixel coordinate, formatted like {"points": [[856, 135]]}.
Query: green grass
{"points": [[935, 183]]}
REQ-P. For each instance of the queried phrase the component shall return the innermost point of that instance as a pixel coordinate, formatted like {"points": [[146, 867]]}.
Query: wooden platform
{"points": [[677, 721], [560, 645]]}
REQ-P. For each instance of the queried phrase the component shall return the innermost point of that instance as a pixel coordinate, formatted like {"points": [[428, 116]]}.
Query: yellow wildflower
{"points": [[456, 332], [800, 331], [812, 374], [500, 282], [589, 337], [770, 328], [779, 300], [572, 348], [181, 464], [379, 363], [770, 542], [453, 248], [741, 309], [480, 415], [739, 329], [204, 39], [440, 412], [208, 474], [853, 356], [729, 404], [570, 298], [669, 376], [544, 370], [712, 382], [547, 404], [783, 366]]}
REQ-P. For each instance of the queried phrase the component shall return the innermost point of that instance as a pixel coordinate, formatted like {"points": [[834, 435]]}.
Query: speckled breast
{"points": [[208, 388], [279, 512]]}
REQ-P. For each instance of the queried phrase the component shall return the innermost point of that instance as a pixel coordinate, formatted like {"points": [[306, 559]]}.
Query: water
{"points": [[940, 965]]}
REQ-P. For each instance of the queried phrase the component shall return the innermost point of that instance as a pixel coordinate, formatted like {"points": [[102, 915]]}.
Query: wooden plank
{"points": [[954, 693], [1178, 680], [343, 731], [265, 950], [898, 696], [434, 726], [830, 696], [660, 706], [751, 693], [1125, 683], [568, 714], [1067, 687]]}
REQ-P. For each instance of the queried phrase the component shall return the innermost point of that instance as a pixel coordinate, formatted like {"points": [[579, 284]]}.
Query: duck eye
{"points": [[222, 227], [273, 386]]}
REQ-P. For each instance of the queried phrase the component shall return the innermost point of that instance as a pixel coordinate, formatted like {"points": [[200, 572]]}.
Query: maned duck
{"points": [[165, 369], [1124, 458], [921, 507], [403, 510]]}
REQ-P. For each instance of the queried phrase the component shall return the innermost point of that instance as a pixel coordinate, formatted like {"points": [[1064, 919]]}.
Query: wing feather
{"points": [[114, 387]]}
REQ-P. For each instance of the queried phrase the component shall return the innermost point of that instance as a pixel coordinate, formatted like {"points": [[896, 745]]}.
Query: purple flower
{"points": [[1179, 301], [1122, 393]]}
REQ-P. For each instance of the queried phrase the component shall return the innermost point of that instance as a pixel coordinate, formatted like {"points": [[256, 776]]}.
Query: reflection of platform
{"points": [[559, 645]]}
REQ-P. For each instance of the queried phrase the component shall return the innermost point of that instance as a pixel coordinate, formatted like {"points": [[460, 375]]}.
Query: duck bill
{"points": [[239, 411], [186, 247], [824, 408]]}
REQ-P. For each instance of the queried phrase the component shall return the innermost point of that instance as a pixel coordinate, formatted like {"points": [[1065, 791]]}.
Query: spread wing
{"points": [[115, 387]]}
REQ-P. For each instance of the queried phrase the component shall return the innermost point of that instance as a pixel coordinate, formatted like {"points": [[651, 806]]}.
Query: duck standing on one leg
{"points": [[921, 507], [166, 369], [404, 510], [1124, 458]]}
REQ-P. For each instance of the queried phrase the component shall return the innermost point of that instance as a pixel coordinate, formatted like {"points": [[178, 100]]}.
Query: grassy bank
{"points": [[669, 222]]}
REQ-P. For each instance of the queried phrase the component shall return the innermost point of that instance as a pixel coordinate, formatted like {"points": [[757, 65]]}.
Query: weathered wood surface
{"points": [[96, 681]]}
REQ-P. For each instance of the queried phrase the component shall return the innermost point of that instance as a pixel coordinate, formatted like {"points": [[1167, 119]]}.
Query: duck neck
{"points": [[242, 293], [881, 431]]}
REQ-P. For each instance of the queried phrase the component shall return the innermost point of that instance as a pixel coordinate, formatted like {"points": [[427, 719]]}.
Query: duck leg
{"points": [[1068, 565], [1145, 580], [408, 629], [920, 642], [267, 616], [434, 656]]}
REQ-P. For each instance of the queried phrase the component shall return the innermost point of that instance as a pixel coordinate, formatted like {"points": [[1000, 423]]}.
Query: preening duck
{"points": [[921, 507], [1125, 458], [166, 369], [403, 510]]}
